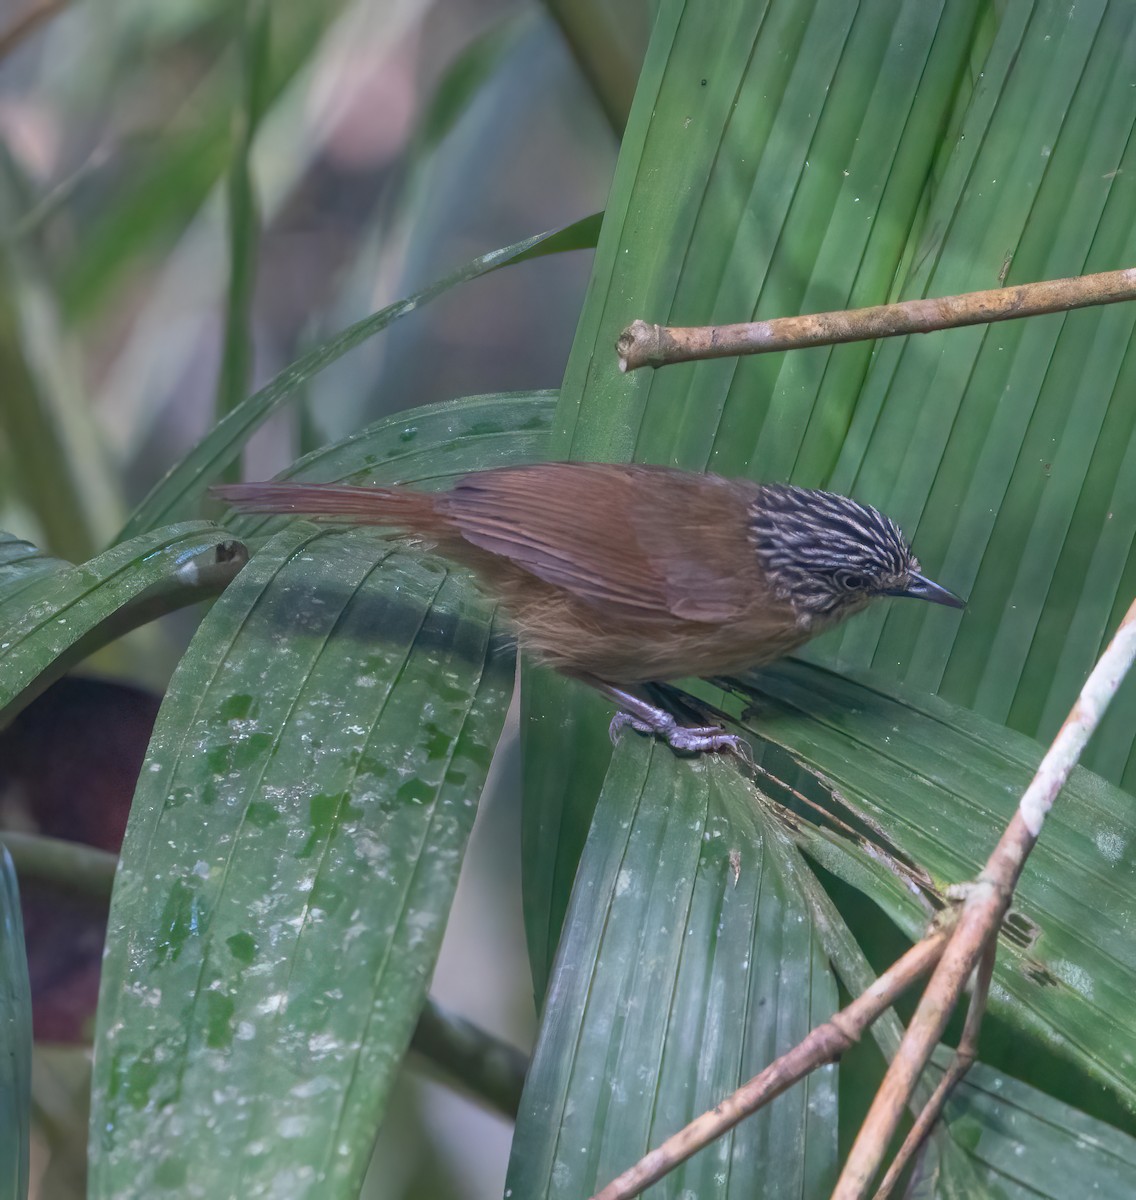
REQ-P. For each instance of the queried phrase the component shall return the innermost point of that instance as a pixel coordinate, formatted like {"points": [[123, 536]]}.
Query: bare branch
{"points": [[963, 1060], [987, 901], [68, 866], [490, 1069], [645, 345]]}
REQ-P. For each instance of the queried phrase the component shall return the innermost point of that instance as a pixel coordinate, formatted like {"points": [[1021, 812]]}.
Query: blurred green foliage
{"points": [[208, 205]]}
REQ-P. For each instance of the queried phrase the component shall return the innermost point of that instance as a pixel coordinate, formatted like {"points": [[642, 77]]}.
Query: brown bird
{"points": [[623, 575]]}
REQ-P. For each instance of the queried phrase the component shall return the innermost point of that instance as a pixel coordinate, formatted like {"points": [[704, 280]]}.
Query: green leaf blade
{"points": [[21, 564], [741, 181], [331, 729], [1027, 1144], [380, 682], [664, 996], [53, 618], [1007, 472], [15, 1040], [935, 786]]}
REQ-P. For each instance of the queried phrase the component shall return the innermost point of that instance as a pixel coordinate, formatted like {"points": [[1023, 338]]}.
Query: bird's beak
{"points": [[925, 589]]}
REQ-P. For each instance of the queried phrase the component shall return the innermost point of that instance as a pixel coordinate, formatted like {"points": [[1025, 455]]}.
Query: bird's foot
{"points": [[683, 739]]}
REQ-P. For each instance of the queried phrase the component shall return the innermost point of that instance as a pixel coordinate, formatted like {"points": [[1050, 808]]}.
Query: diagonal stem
{"points": [[963, 1060], [986, 904]]}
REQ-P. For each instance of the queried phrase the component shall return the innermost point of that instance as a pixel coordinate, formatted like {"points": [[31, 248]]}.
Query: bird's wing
{"points": [[651, 541]]}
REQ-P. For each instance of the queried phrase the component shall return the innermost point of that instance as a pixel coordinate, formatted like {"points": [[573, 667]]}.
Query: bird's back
{"points": [[626, 573], [622, 572]]}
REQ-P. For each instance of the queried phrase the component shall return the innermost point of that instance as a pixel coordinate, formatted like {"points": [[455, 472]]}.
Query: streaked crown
{"points": [[829, 555]]}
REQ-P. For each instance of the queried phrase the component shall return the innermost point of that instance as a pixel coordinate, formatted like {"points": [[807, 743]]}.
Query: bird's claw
{"points": [[683, 739], [624, 720]]}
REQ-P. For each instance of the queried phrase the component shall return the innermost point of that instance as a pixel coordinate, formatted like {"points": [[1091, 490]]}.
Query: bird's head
{"points": [[829, 556]]}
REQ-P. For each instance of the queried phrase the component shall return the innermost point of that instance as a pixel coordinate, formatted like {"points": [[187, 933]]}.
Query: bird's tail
{"points": [[395, 507]]}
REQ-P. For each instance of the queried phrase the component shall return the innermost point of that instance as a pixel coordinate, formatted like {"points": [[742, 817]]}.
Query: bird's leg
{"points": [[644, 717]]}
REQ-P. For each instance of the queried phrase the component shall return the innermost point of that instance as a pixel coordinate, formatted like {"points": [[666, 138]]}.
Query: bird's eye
{"points": [[850, 581]]}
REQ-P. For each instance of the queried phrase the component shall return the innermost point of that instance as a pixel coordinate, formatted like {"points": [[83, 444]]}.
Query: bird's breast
{"points": [[582, 639]]}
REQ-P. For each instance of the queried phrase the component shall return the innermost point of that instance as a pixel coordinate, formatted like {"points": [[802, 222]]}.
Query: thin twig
{"points": [[963, 1060], [487, 1067], [69, 866], [244, 212], [986, 903], [645, 345], [27, 23], [824, 1044]]}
